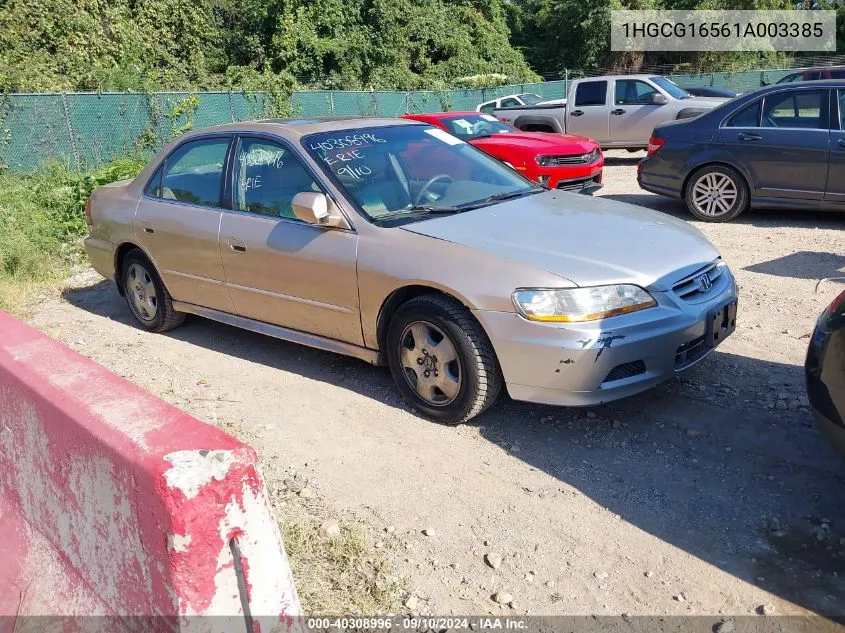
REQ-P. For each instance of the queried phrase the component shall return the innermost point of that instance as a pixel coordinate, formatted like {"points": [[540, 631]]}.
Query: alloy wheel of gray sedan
{"points": [[714, 194], [142, 292], [430, 363]]}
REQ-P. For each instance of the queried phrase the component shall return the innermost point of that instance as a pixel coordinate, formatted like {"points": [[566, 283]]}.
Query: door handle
{"points": [[236, 245], [841, 142], [617, 111], [577, 112], [745, 136], [147, 228]]}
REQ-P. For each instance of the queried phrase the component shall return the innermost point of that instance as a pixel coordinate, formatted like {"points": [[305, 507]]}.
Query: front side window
{"points": [[634, 92], [193, 173], [790, 78], [749, 116], [406, 173], [796, 109], [468, 127], [591, 93], [266, 178], [510, 102]]}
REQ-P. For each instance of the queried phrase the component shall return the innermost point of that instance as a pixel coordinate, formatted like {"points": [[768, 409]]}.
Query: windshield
{"points": [[530, 98], [410, 172], [673, 89], [470, 126]]}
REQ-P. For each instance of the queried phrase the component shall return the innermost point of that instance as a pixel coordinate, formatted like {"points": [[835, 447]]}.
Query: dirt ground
{"points": [[712, 494]]}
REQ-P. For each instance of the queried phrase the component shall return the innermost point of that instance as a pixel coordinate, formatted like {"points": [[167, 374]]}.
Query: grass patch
{"points": [[339, 575], [42, 225]]}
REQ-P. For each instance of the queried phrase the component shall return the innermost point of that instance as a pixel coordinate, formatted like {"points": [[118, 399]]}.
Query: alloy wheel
{"points": [[714, 194]]}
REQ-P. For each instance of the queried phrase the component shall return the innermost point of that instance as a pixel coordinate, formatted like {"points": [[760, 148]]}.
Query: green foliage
{"points": [[42, 216], [545, 30], [159, 45]]}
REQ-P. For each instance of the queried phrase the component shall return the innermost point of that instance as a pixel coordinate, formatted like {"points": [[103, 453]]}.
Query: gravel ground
{"points": [[713, 494]]}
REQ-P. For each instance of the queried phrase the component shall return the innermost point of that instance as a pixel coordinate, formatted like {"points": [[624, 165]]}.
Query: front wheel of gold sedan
{"points": [[441, 360]]}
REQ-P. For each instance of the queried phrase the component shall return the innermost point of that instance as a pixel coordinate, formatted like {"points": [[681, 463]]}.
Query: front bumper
{"points": [[572, 177], [582, 364]]}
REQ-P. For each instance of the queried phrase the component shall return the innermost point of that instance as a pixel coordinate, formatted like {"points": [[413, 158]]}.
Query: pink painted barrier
{"points": [[121, 512]]}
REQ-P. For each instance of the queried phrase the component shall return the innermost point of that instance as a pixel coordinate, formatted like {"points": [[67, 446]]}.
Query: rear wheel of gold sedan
{"points": [[148, 299], [441, 360]]}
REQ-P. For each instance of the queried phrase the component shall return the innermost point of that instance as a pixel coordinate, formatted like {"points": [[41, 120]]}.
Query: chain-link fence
{"points": [[85, 130]]}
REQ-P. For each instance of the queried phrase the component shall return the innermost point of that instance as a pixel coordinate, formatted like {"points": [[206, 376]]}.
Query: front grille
{"points": [[691, 288], [576, 184], [628, 370], [689, 352], [572, 159]]}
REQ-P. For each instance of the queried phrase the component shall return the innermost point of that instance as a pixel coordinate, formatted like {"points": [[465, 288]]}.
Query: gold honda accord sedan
{"points": [[397, 243]]}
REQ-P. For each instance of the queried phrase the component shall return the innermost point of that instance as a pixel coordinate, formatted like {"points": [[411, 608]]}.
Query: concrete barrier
{"points": [[120, 512]]}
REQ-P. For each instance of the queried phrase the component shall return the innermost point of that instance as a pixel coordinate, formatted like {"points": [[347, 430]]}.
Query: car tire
{"points": [[463, 381], [717, 193], [146, 295]]}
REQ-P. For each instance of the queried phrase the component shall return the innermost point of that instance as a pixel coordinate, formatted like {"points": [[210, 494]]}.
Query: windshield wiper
{"points": [[427, 208]]}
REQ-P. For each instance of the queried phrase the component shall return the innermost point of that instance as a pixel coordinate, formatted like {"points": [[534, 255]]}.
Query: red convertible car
{"points": [[558, 161]]}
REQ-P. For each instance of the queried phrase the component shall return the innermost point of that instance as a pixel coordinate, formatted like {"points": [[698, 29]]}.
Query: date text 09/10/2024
{"points": [[417, 623]]}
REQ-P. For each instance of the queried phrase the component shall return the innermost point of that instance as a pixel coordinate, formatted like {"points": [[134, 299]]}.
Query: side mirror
{"points": [[659, 99], [317, 208]]}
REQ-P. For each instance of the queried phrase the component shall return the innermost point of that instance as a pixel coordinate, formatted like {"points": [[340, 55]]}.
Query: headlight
{"points": [[580, 304]]}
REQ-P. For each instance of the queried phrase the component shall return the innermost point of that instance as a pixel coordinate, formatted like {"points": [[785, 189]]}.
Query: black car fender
{"points": [[717, 156]]}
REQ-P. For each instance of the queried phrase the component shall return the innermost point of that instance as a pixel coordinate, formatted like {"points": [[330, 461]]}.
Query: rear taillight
{"points": [[829, 310], [88, 219], [654, 144]]}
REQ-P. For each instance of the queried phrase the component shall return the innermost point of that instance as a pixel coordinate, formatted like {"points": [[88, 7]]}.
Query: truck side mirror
{"points": [[659, 99]]}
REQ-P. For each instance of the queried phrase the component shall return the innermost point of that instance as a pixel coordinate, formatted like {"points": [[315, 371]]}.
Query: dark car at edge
{"points": [[782, 146], [825, 372]]}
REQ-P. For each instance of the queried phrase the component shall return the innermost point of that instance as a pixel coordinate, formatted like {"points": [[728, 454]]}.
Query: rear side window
{"points": [[591, 93], [193, 173], [488, 108], [749, 116], [842, 109], [796, 109], [837, 74]]}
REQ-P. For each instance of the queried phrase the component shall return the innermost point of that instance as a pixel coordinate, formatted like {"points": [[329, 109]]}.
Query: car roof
{"points": [[816, 69], [295, 128], [803, 85]]}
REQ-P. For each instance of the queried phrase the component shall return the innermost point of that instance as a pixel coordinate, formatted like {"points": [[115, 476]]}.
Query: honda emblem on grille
{"points": [[704, 283]]}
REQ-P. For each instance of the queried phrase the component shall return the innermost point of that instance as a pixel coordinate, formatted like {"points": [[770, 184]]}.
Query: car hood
{"points": [[703, 102], [586, 240], [538, 142]]}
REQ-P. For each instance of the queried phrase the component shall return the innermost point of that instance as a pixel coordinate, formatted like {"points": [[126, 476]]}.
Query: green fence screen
{"points": [[87, 129]]}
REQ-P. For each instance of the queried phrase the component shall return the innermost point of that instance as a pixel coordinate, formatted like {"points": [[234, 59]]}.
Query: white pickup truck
{"points": [[616, 111]]}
